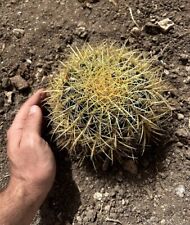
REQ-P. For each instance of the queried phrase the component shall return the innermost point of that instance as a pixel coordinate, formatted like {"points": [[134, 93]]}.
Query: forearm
{"points": [[17, 205]]}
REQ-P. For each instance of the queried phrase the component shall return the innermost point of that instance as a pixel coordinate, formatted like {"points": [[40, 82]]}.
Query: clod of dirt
{"points": [[19, 82], [165, 25]]}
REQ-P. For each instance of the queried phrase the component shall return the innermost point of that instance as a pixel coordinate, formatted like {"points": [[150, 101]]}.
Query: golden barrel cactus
{"points": [[106, 100]]}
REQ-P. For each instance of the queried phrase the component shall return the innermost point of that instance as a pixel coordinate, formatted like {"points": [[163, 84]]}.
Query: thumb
{"points": [[34, 120]]}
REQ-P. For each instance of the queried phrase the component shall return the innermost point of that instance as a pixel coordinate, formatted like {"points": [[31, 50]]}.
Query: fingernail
{"points": [[32, 109], [42, 96]]}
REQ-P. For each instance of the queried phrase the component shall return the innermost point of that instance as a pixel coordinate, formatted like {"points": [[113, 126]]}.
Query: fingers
{"points": [[24, 110], [33, 122], [15, 131]]}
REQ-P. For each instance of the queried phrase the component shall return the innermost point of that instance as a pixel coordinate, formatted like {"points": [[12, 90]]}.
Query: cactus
{"points": [[106, 100]]}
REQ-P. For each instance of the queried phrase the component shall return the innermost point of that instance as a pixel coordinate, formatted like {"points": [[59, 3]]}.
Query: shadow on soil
{"points": [[146, 167], [63, 201]]}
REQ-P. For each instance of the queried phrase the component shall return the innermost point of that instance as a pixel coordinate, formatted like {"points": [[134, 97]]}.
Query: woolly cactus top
{"points": [[106, 99]]}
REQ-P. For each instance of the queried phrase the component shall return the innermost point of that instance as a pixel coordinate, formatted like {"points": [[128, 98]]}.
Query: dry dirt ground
{"points": [[34, 38]]}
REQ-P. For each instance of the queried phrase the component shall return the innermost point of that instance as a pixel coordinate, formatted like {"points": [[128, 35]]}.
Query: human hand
{"points": [[32, 164]]}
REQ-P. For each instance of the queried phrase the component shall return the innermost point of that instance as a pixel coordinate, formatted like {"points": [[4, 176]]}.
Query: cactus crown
{"points": [[107, 100]]}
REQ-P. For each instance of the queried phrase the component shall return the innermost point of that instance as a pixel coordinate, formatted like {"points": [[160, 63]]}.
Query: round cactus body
{"points": [[106, 99]]}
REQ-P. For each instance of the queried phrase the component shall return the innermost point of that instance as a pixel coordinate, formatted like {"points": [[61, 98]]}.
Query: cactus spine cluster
{"points": [[106, 100]]}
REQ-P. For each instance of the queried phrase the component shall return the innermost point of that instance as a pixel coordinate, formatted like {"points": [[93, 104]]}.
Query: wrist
{"points": [[19, 190], [19, 203]]}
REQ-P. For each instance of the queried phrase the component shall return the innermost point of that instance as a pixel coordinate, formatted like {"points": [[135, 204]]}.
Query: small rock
{"points": [[6, 83], [18, 32], [91, 215], [179, 144], [79, 219], [98, 196], [182, 132], [130, 166], [165, 24], [180, 116], [163, 222], [107, 208], [19, 82], [187, 80], [9, 95], [184, 58], [113, 193], [187, 154], [113, 216], [135, 31], [81, 31], [180, 190], [187, 68], [166, 72]]}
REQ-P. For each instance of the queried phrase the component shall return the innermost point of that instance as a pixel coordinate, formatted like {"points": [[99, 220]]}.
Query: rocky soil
{"points": [[34, 38]]}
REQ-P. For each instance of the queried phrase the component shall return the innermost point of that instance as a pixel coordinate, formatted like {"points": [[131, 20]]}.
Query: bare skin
{"points": [[32, 166]]}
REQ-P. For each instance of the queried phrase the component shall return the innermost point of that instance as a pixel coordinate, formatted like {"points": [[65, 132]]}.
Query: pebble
{"points": [[180, 190], [179, 144], [182, 132], [187, 154], [9, 95], [81, 31], [91, 215], [165, 24], [187, 80], [163, 222], [18, 32], [98, 196], [19, 82], [135, 31], [166, 72], [180, 116], [184, 58], [6, 83], [187, 68], [113, 216], [107, 208]]}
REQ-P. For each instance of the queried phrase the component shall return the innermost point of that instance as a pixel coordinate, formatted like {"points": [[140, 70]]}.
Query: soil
{"points": [[34, 38]]}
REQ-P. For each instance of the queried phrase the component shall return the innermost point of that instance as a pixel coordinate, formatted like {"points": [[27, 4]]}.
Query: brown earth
{"points": [[34, 38]]}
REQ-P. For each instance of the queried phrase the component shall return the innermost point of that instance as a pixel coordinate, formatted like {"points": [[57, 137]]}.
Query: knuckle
{"points": [[31, 141]]}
